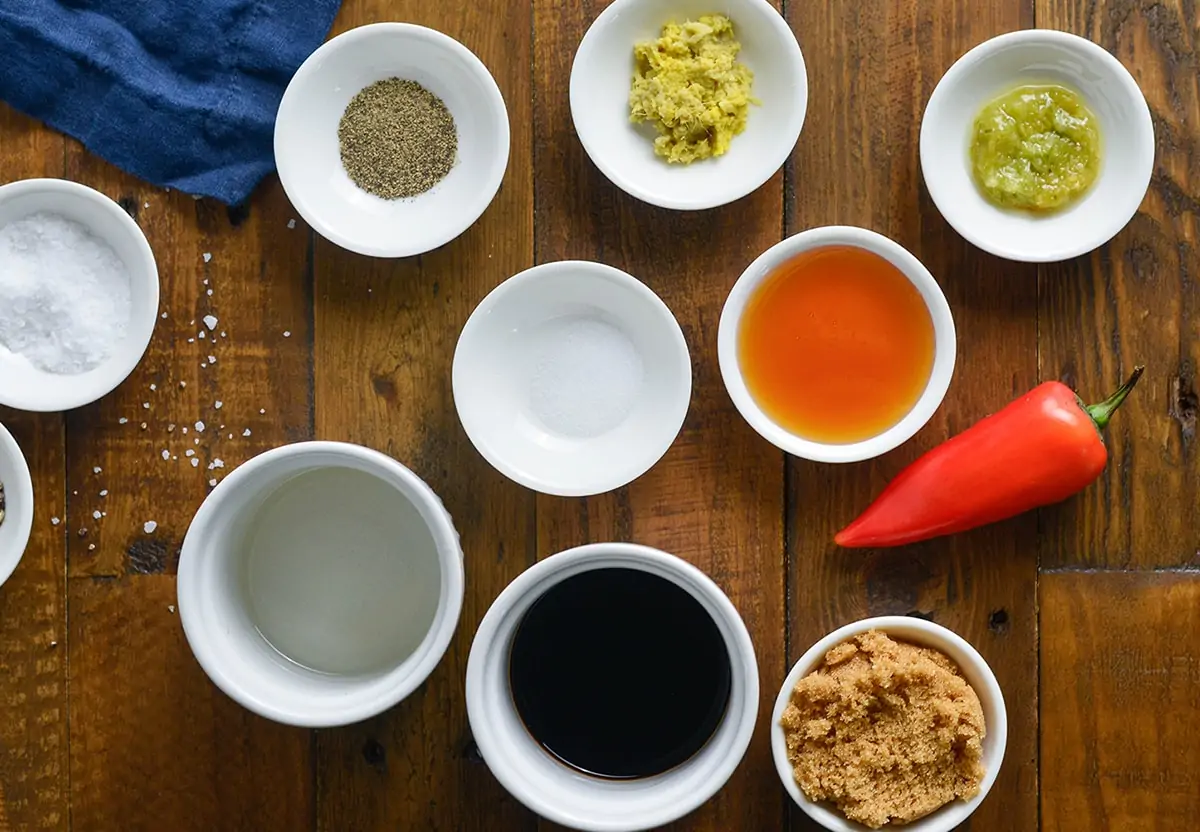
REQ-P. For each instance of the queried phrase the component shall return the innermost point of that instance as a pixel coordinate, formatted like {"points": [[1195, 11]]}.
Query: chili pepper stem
{"points": [[1103, 411]]}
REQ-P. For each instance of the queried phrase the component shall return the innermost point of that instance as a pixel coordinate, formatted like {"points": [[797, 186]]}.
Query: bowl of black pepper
{"points": [[16, 504], [391, 139]]}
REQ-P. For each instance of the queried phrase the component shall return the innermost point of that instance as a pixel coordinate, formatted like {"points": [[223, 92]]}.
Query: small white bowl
{"points": [[945, 347], [927, 634], [1038, 56], [520, 366], [547, 786], [18, 496], [24, 386], [310, 164], [602, 74], [218, 614]]}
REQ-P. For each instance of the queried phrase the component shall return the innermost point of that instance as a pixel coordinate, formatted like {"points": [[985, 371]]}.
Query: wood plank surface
{"points": [[1135, 301], [716, 498], [386, 333], [1120, 701], [872, 67]]}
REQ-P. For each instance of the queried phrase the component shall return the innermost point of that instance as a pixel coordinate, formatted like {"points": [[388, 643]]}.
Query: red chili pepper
{"points": [[1038, 450]]}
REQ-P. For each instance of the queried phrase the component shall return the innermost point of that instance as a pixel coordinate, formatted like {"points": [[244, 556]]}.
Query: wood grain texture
{"points": [[34, 793], [1120, 701], [872, 67], [386, 333], [154, 744], [715, 499], [1134, 301]]}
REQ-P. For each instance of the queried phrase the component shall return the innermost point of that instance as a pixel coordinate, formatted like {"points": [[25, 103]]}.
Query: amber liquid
{"points": [[836, 345]]}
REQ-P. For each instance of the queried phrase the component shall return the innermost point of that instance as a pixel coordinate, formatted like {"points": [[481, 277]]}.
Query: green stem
{"points": [[1103, 411]]}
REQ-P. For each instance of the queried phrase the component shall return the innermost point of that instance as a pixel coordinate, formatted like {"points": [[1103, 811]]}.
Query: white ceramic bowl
{"points": [[18, 496], [310, 165], [572, 378], [1038, 56], [547, 786], [23, 385], [216, 611], [973, 668], [624, 152], [945, 347]]}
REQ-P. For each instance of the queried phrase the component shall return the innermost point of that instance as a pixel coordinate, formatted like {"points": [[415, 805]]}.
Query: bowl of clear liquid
{"points": [[320, 583]]}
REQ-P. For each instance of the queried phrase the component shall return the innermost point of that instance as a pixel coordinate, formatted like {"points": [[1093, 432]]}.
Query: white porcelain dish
{"points": [[216, 612], [26, 387], [603, 72], [1038, 56], [552, 338], [309, 160], [18, 498], [543, 783], [945, 345], [973, 668]]}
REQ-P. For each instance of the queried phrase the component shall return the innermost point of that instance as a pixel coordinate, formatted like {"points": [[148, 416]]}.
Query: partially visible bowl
{"points": [[624, 152], [572, 378], [26, 387], [18, 504], [1038, 56], [928, 634], [309, 160]]}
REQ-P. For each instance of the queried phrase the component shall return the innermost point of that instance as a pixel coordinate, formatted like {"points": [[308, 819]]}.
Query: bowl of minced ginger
{"points": [[891, 722]]}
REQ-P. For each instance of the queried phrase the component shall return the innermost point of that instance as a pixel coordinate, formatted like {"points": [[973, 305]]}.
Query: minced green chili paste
{"points": [[1036, 148]]}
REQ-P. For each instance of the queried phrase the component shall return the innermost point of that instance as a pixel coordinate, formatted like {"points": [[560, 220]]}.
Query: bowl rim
{"points": [[932, 635], [940, 375], [18, 491], [1141, 121], [747, 185], [143, 281], [519, 282], [191, 588], [493, 99], [538, 579]]}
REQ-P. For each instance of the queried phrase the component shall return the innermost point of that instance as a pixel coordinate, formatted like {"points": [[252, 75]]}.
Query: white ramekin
{"points": [[221, 633], [561, 794], [917, 631], [945, 347]]}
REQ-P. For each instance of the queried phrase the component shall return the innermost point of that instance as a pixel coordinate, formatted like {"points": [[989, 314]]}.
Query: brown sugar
{"points": [[886, 731]]}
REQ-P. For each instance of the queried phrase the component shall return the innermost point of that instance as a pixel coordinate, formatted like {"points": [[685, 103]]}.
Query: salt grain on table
{"points": [[104, 493], [291, 224], [199, 427], [206, 256], [195, 462], [122, 421], [166, 454], [287, 333], [97, 470], [153, 387], [246, 432], [54, 521], [65, 297], [200, 334], [95, 515], [210, 322], [149, 527], [212, 483]]}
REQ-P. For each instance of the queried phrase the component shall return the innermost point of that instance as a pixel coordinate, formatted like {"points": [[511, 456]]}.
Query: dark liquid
{"points": [[619, 673]]}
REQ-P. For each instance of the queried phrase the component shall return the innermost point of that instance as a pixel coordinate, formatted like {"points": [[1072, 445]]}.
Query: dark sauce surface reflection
{"points": [[619, 673]]}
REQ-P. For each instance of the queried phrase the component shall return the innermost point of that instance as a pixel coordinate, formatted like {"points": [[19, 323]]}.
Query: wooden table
{"points": [[1088, 611]]}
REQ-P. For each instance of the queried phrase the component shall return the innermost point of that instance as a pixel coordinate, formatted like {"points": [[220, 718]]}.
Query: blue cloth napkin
{"points": [[181, 93]]}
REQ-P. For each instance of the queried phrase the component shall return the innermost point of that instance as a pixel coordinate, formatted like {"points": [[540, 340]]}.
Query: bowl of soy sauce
{"points": [[612, 687]]}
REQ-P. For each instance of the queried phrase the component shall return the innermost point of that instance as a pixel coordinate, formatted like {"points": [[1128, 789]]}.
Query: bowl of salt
{"points": [[78, 295], [572, 378]]}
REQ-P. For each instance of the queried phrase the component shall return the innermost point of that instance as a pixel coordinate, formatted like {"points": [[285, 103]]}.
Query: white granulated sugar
{"points": [[95, 515], [585, 376], [218, 405], [199, 427], [149, 527], [195, 462], [291, 224], [123, 421], [64, 294], [210, 322], [206, 256], [166, 454]]}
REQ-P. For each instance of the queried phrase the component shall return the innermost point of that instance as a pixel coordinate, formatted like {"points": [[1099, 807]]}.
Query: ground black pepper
{"points": [[397, 139]]}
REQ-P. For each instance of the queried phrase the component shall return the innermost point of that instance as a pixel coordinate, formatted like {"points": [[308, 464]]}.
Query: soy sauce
{"points": [[619, 673]]}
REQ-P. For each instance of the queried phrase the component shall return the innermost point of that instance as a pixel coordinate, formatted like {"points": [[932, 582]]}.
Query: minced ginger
{"points": [[886, 731], [689, 84]]}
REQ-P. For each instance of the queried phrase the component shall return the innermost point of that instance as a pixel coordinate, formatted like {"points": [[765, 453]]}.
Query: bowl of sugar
{"points": [[572, 378], [78, 295]]}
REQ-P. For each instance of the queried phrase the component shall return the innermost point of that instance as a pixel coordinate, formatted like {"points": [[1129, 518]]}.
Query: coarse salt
{"points": [[122, 421], [206, 256], [291, 223], [104, 493], [199, 427], [149, 527], [95, 515], [97, 469], [65, 295], [246, 432], [166, 454], [195, 462], [211, 322], [218, 405], [54, 521]]}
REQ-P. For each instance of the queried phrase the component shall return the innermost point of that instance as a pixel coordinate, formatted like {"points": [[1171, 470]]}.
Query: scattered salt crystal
{"points": [[223, 333], [145, 405], [166, 454], [205, 281], [246, 432], [182, 384], [64, 294], [200, 334], [195, 462], [203, 365], [208, 292], [153, 387], [54, 521], [185, 430], [104, 493], [163, 316], [97, 470], [291, 224], [197, 440], [174, 459], [122, 421], [149, 527], [262, 410], [189, 452], [231, 436], [171, 608], [206, 256], [287, 333], [95, 515], [210, 322], [212, 483], [143, 425], [216, 463], [199, 427], [91, 547], [147, 205], [218, 405], [170, 428], [191, 340], [212, 359]]}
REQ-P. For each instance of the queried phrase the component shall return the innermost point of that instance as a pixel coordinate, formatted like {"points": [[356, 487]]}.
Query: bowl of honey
{"points": [[836, 344]]}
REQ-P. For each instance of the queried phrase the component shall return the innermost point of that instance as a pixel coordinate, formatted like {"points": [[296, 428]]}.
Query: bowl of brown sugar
{"points": [[391, 139], [889, 722]]}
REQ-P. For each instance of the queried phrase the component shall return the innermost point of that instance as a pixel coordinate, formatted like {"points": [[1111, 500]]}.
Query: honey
{"points": [[836, 345]]}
